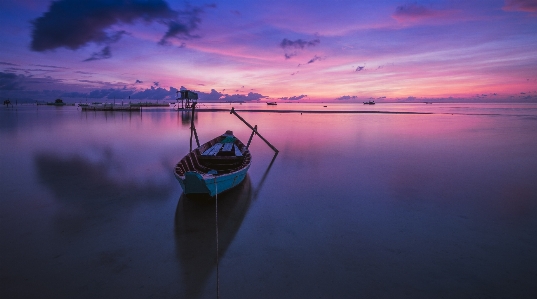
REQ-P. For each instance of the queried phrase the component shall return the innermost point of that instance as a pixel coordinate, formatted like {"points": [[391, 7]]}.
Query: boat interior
{"points": [[221, 155]]}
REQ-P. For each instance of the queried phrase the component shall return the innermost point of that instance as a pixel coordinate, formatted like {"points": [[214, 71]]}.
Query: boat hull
{"points": [[213, 167], [194, 183]]}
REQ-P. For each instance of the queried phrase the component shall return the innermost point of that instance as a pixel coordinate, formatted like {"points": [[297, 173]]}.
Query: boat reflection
{"points": [[195, 233]]}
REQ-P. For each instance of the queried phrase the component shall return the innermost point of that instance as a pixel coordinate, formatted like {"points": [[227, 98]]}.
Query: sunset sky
{"points": [[292, 50]]}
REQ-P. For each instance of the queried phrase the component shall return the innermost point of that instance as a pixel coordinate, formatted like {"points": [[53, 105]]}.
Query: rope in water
{"points": [[216, 214]]}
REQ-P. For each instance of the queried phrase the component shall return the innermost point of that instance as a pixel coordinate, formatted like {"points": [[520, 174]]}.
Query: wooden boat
{"points": [[214, 167], [369, 103], [272, 103]]}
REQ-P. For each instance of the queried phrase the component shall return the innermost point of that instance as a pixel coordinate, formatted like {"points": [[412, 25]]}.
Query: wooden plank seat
{"points": [[227, 147], [237, 151], [213, 150]]}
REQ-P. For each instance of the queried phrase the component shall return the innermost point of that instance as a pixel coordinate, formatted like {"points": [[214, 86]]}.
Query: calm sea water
{"points": [[376, 205]]}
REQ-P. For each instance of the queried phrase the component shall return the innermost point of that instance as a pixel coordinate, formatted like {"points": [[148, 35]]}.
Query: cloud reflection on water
{"points": [[94, 191]]}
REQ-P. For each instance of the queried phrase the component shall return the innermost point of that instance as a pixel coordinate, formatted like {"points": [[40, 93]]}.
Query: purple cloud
{"points": [[315, 58], [294, 98], [290, 55], [415, 12], [215, 96], [10, 81], [521, 5], [346, 98], [251, 96], [51, 66], [105, 53], [182, 30], [75, 23], [298, 44], [412, 10]]}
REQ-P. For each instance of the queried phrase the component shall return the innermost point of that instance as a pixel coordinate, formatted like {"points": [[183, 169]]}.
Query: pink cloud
{"points": [[521, 5]]}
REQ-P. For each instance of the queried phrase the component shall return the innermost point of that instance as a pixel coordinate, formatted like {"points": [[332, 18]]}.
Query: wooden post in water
{"points": [[253, 129], [251, 136], [193, 128]]}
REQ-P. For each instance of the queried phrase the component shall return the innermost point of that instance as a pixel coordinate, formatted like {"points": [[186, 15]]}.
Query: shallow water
{"points": [[439, 205]]}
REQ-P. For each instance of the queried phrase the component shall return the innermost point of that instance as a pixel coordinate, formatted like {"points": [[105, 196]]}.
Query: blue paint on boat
{"points": [[210, 169]]}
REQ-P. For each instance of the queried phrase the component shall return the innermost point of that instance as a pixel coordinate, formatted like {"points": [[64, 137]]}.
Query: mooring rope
{"points": [[216, 215]]}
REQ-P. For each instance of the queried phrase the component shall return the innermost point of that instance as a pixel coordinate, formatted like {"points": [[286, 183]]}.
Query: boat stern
{"points": [[193, 183]]}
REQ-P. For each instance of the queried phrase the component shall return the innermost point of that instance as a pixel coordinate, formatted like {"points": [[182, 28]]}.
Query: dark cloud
{"points": [[346, 98], [298, 44], [124, 93], [156, 83], [295, 45], [34, 88], [7, 63], [138, 81], [414, 13], [294, 98], [290, 55], [251, 96], [51, 66], [360, 68], [19, 86], [105, 53], [75, 23], [412, 10], [521, 5], [100, 94], [315, 58], [29, 71], [215, 96], [155, 93], [10, 81], [94, 82], [74, 94], [181, 29]]}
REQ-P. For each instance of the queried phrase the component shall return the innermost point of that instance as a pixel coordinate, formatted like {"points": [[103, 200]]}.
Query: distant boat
{"points": [[272, 103], [214, 167], [369, 103]]}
